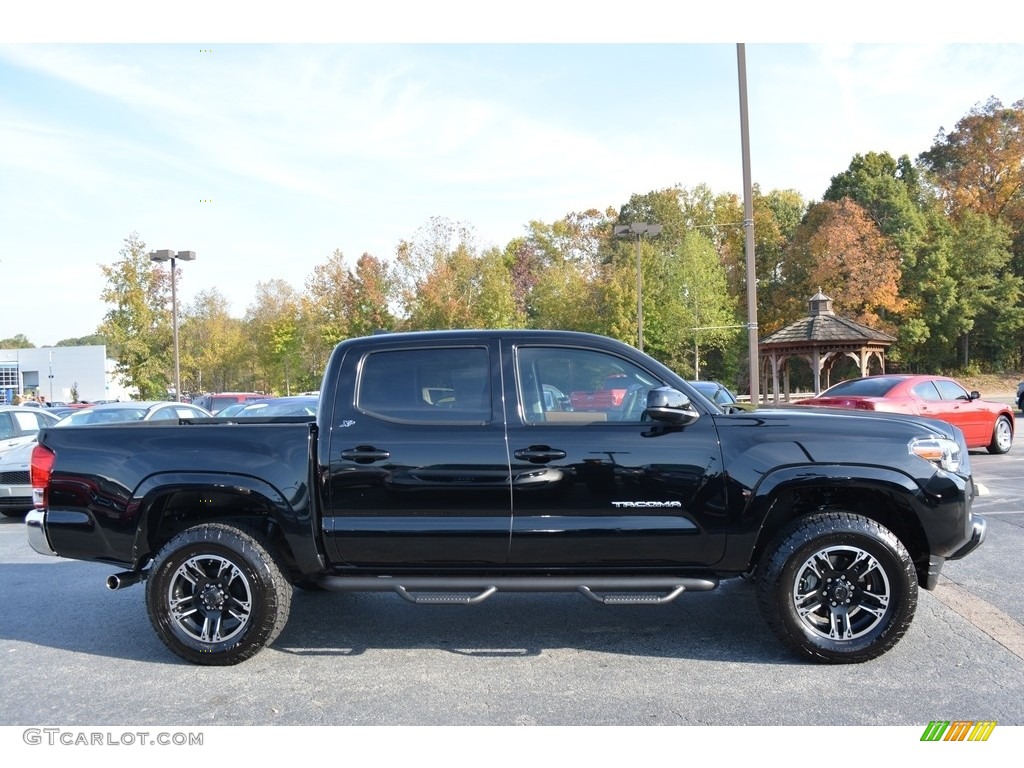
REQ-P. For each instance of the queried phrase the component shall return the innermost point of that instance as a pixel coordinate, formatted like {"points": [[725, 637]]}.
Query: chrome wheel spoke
{"points": [[210, 599], [841, 593], [839, 624]]}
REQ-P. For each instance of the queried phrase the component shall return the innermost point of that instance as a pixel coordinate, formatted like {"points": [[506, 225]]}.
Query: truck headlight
{"points": [[938, 450]]}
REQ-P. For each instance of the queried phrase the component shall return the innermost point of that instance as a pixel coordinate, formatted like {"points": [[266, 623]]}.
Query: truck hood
{"points": [[794, 435]]}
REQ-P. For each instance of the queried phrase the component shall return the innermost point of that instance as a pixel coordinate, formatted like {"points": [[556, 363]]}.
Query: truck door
{"points": [[593, 483], [419, 473]]}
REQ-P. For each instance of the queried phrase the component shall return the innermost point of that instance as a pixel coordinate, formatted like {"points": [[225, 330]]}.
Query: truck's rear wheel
{"points": [[838, 588], [216, 595]]}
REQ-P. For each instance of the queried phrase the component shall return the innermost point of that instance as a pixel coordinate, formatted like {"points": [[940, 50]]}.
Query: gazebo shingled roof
{"points": [[821, 339]]}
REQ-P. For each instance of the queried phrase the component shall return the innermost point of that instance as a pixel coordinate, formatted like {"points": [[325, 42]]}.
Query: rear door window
{"points": [[448, 385]]}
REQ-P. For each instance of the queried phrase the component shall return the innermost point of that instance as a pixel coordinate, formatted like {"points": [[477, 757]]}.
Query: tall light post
{"points": [[172, 257], [638, 229], [748, 226]]}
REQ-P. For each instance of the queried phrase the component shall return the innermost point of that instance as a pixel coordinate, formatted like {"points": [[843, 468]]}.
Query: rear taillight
{"points": [[39, 474]]}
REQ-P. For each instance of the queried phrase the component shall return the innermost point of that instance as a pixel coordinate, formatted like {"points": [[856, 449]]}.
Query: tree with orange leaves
{"points": [[840, 250]]}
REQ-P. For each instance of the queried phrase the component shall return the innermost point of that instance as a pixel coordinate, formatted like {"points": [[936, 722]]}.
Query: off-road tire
{"points": [[216, 594], [837, 588]]}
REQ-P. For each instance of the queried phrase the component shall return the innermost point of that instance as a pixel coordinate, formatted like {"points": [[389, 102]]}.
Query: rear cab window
{"points": [[443, 385]]}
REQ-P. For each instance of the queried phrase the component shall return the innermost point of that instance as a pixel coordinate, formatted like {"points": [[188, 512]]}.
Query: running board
{"points": [[471, 590]]}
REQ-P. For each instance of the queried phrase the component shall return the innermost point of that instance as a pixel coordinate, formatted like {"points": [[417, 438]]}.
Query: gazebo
{"points": [[821, 339]]}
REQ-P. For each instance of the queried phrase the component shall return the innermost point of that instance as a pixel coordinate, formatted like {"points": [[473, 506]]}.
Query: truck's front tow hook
{"points": [[125, 579]]}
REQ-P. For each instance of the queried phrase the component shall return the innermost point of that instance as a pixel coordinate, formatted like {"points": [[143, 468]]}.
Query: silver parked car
{"points": [[146, 410]]}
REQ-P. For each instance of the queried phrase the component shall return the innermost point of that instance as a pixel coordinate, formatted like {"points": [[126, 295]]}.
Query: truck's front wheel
{"points": [[216, 595], [838, 587]]}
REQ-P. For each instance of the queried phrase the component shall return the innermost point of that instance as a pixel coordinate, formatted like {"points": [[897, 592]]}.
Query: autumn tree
{"points": [[841, 251], [138, 324], [373, 297], [979, 165], [444, 283], [341, 301], [906, 213], [978, 168]]}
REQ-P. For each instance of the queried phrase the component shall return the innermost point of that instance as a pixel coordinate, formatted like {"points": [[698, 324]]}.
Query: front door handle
{"points": [[365, 454], [539, 454]]}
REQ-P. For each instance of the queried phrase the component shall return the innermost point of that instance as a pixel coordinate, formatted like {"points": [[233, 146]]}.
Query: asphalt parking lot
{"points": [[75, 653]]}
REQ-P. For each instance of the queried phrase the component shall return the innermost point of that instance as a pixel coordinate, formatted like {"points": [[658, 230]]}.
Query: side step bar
{"points": [[471, 590]]}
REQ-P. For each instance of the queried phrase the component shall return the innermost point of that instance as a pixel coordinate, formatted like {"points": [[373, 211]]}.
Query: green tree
{"points": [[907, 213], [272, 321], [138, 323], [18, 341], [212, 345], [92, 340], [990, 294]]}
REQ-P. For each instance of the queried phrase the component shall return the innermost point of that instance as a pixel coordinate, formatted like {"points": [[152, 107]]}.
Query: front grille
{"points": [[15, 477], [16, 502]]}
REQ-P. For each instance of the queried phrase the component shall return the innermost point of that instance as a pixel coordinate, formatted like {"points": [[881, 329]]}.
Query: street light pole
{"points": [[638, 229], [167, 255]]}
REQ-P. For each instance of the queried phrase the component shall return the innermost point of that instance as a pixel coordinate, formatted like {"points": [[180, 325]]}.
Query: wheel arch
{"points": [[170, 503], [884, 496]]}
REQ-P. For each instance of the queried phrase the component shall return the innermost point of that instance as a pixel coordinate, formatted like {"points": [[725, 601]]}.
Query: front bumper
{"points": [[979, 528], [35, 521]]}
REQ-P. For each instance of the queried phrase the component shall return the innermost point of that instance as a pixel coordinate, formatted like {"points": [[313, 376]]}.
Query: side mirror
{"points": [[670, 406], [975, 394]]}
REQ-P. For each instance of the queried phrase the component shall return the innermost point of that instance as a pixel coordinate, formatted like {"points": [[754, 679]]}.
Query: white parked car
{"points": [[15, 485], [19, 424]]}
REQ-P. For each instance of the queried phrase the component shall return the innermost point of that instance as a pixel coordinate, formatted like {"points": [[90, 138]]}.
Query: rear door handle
{"points": [[539, 454], [365, 454]]}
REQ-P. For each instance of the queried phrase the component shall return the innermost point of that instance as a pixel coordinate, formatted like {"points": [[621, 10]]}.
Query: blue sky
{"points": [[265, 158]]}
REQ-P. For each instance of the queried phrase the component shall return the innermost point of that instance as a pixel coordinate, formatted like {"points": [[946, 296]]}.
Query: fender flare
{"points": [[145, 497], [858, 477]]}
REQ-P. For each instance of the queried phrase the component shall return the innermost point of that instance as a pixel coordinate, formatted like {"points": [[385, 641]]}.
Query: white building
{"points": [[53, 372]]}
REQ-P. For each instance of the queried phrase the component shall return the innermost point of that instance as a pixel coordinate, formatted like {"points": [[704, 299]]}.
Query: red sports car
{"points": [[985, 424]]}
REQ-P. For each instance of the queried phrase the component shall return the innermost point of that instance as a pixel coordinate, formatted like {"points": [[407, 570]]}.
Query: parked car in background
{"points": [[721, 395], [298, 405], [231, 410], [146, 410], [985, 424], [215, 401], [19, 424], [15, 485], [1020, 397]]}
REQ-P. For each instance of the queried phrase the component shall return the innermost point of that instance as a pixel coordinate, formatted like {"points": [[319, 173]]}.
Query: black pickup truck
{"points": [[448, 466]]}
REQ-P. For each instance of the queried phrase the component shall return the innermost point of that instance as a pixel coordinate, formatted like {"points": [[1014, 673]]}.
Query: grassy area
{"points": [[990, 385]]}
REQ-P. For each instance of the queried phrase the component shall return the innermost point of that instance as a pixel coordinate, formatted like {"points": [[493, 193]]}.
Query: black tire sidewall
{"points": [[849, 531], [256, 566]]}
